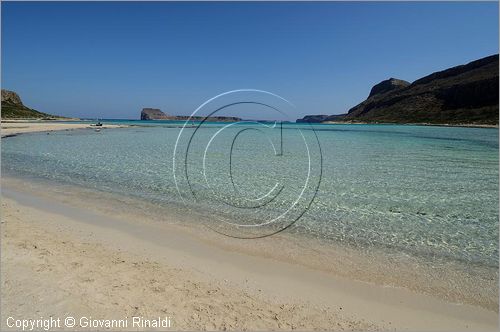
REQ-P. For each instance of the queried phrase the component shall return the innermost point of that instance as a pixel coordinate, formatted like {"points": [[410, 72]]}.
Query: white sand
{"points": [[20, 127], [48, 270], [61, 260]]}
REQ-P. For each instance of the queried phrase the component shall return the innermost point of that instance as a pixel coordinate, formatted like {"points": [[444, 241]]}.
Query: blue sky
{"points": [[109, 60]]}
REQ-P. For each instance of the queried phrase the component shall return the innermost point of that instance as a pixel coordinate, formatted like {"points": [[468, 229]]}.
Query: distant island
{"points": [[157, 114], [462, 95], [13, 108]]}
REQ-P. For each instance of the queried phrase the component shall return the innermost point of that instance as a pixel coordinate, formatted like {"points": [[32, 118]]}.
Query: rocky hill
{"points": [[11, 97], [153, 114], [388, 85], [13, 108], [466, 94], [313, 118]]}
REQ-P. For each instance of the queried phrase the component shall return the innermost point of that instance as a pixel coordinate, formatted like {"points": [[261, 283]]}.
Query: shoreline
{"points": [[14, 128], [379, 307], [458, 125], [65, 270], [450, 280]]}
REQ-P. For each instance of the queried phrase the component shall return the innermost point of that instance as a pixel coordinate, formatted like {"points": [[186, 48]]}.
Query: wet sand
{"points": [[60, 259]]}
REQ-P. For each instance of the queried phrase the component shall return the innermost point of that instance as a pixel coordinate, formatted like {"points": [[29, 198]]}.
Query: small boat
{"points": [[97, 124], [97, 129]]}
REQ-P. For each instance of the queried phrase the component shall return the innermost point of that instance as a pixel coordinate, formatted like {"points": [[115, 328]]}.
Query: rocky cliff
{"points": [[313, 118], [466, 94], [11, 97], [388, 85], [153, 114], [13, 108]]}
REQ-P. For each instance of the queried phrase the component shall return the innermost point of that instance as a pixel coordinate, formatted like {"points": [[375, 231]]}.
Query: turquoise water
{"points": [[426, 191]]}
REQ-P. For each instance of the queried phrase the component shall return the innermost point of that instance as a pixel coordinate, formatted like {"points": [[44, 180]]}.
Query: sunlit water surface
{"points": [[430, 192]]}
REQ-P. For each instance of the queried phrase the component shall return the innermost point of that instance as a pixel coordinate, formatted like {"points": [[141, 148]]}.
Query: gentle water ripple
{"points": [[427, 191]]}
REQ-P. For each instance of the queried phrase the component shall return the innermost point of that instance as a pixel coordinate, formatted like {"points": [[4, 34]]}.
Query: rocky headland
{"points": [[153, 114], [13, 108], [157, 114], [462, 95]]}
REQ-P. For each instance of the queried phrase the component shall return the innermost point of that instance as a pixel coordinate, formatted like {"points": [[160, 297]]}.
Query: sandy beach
{"points": [[57, 267], [113, 263], [249, 166], [60, 258], [11, 127]]}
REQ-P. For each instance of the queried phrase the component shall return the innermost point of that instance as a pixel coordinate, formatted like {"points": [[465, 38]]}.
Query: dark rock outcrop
{"points": [[153, 114], [312, 119], [11, 97], [466, 94], [157, 114], [388, 85]]}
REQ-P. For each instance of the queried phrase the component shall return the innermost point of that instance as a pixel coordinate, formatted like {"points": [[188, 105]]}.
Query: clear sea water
{"points": [[426, 191]]}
